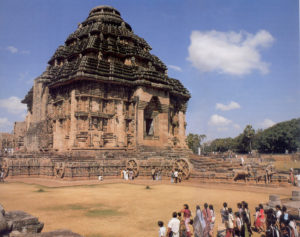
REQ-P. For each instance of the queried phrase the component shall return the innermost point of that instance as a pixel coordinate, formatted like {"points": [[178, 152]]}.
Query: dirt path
{"points": [[261, 188]]}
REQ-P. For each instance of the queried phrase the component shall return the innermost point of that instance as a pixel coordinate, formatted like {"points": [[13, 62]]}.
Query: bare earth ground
{"points": [[115, 207]]}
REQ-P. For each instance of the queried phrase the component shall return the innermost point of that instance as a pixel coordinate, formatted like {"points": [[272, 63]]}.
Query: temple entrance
{"points": [[151, 119]]}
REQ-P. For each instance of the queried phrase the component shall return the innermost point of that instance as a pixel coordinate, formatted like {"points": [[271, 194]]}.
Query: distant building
{"points": [[6, 142]]}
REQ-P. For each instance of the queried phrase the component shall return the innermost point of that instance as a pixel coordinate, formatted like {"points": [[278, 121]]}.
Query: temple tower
{"points": [[104, 90]]}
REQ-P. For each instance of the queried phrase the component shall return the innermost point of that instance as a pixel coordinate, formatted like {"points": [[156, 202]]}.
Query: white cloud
{"points": [[176, 68], [222, 129], [13, 105], [232, 105], [12, 49], [218, 120], [267, 123], [4, 124], [25, 52], [234, 53], [236, 126]]}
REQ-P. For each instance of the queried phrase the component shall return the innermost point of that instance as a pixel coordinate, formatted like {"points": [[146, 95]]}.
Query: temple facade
{"points": [[103, 89]]}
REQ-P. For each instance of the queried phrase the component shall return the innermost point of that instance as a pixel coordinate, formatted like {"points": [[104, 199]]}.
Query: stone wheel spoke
{"points": [[182, 166], [133, 165]]}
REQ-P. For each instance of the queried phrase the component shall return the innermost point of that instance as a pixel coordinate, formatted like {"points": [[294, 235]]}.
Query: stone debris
{"points": [[22, 224]]}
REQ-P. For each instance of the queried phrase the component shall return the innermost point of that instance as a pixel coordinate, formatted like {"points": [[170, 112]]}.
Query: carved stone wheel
{"points": [[183, 166], [59, 169], [133, 165], [5, 167]]}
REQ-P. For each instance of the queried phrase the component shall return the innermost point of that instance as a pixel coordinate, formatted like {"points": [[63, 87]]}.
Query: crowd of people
{"points": [[182, 224], [266, 222]]}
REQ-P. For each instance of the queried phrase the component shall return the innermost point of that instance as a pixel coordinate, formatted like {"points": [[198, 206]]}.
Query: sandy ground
{"points": [[116, 208]]}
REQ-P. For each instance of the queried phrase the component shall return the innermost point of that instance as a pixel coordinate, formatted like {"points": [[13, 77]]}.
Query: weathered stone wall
{"points": [[103, 89], [19, 134], [6, 141]]}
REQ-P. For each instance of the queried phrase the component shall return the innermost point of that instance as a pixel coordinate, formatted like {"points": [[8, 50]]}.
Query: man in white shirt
{"points": [[278, 212], [176, 176], [173, 226]]}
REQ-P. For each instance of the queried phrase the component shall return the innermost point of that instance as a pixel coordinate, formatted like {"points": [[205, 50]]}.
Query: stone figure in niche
{"points": [[150, 66], [100, 55]]}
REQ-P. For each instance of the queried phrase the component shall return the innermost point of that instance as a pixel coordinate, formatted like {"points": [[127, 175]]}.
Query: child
{"points": [[229, 230], [238, 224], [162, 229]]}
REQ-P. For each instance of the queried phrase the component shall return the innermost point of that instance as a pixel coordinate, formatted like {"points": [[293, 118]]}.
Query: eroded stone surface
{"points": [[56, 233], [103, 89]]}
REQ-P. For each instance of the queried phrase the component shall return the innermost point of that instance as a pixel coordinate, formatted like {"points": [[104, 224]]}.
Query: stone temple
{"points": [[104, 90]]}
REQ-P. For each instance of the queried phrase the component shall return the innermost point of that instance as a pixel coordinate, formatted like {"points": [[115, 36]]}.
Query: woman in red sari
{"points": [[260, 219], [187, 217]]}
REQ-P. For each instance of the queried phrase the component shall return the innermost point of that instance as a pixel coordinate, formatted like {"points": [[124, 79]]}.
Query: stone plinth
{"points": [[274, 200], [296, 195]]}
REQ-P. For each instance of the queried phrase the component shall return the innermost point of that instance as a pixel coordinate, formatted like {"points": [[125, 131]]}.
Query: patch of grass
{"points": [[103, 213], [148, 187], [94, 235], [286, 165], [76, 207], [40, 190]]}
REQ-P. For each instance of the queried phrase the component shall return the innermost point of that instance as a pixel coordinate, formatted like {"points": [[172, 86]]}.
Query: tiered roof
{"points": [[87, 53]]}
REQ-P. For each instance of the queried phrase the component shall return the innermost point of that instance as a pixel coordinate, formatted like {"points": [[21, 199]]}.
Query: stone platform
{"points": [[84, 165]]}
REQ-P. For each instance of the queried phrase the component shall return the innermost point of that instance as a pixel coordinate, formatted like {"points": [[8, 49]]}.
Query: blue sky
{"points": [[239, 59]]}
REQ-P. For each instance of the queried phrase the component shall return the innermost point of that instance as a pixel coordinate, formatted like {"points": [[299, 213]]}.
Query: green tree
{"points": [[244, 140], [280, 137], [249, 134], [194, 141]]}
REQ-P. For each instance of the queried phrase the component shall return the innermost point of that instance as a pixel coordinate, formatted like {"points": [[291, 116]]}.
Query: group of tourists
{"points": [[182, 224], [127, 174], [156, 174], [279, 223], [267, 222], [176, 176]]}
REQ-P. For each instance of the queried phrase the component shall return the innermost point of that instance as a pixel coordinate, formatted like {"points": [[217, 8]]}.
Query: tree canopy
{"points": [[276, 139], [194, 141]]}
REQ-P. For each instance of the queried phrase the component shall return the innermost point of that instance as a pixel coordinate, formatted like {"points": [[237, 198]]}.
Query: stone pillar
{"points": [[73, 120], [140, 126], [181, 129], [44, 102], [296, 195], [274, 200], [37, 100], [163, 128], [120, 124]]}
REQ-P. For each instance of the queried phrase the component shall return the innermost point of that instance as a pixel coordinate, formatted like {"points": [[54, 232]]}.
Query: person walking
{"points": [[224, 213], [176, 176], [173, 226], [229, 229], [238, 224], [207, 218], [212, 222], [1, 175], [187, 217], [153, 173], [199, 223], [162, 230]]}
